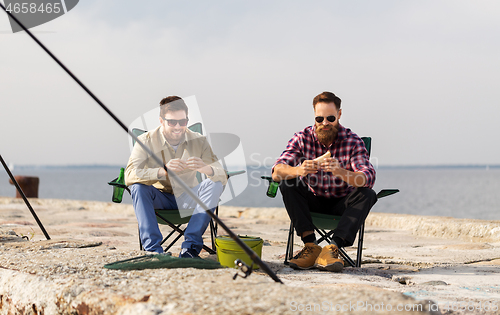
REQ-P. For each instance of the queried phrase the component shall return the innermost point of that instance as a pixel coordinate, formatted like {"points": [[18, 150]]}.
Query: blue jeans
{"points": [[147, 198]]}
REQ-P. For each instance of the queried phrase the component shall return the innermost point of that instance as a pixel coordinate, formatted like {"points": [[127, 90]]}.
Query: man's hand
{"points": [[176, 165], [197, 164], [193, 163], [286, 172], [308, 167], [330, 165], [356, 179]]}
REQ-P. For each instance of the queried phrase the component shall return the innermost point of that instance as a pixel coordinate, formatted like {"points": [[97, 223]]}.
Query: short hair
{"points": [[172, 104], [327, 97]]}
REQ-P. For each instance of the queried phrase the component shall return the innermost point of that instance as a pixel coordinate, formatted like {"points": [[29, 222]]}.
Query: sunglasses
{"points": [[319, 119], [173, 122]]}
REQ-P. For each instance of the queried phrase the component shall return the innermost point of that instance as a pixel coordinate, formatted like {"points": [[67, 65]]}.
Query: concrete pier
{"points": [[411, 264]]}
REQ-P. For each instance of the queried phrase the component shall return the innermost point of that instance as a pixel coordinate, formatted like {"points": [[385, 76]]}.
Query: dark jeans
{"points": [[353, 208]]}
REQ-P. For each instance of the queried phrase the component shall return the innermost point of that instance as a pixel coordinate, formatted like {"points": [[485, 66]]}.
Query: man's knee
{"points": [[368, 194], [210, 192], [139, 190], [217, 186], [289, 185], [214, 187]]}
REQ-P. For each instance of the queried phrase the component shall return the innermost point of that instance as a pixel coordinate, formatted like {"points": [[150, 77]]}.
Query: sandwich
{"points": [[322, 158]]}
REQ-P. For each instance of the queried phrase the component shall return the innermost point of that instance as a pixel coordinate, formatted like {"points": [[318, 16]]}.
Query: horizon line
{"points": [[96, 165]]}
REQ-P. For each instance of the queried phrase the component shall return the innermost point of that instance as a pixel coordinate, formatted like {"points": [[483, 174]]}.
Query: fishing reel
{"points": [[239, 264]]}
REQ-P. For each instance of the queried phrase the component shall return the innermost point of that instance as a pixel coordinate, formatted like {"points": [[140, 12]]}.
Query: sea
{"points": [[453, 191]]}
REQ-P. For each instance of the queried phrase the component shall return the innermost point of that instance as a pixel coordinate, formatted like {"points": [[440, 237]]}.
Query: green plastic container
{"points": [[228, 251]]}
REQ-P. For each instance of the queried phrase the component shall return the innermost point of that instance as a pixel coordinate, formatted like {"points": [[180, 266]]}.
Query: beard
{"points": [[326, 136]]}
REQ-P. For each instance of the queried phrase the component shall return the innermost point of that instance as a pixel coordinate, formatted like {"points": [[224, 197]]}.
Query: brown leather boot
{"points": [[329, 260], [306, 257]]}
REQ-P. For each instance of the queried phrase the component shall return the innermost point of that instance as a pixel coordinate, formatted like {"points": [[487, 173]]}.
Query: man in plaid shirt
{"points": [[340, 185]]}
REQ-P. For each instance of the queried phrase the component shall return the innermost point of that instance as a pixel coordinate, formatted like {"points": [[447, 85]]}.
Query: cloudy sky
{"points": [[420, 77]]}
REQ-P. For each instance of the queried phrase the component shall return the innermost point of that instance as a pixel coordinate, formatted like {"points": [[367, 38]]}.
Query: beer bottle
{"points": [[273, 186], [119, 187]]}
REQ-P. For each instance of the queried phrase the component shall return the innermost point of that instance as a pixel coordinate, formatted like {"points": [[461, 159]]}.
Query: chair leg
{"points": [[289, 245], [213, 230], [172, 243], [327, 236], [209, 250], [346, 257], [213, 234], [360, 245], [215, 224], [140, 243], [181, 233], [169, 235], [324, 236]]}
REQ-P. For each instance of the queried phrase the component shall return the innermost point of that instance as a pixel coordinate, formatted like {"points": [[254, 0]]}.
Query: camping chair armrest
{"points": [[386, 192], [229, 174], [114, 183]]}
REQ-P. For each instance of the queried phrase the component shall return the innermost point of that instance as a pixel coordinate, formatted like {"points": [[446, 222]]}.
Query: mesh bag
{"points": [[162, 261]]}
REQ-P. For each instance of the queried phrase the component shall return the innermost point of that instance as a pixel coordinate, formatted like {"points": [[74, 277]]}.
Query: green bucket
{"points": [[228, 251]]}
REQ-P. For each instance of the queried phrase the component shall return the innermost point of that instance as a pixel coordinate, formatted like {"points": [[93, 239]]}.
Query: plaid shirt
{"points": [[348, 149]]}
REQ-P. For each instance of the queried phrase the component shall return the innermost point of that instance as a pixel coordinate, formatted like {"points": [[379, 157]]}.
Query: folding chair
{"points": [[172, 217], [325, 225]]}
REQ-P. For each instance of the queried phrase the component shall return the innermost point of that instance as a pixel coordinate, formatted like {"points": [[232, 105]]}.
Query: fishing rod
{"points": [[21, 192], [171, 173]]}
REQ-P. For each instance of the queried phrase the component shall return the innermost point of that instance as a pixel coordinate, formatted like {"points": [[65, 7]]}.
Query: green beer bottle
{"points": [[273, 186], [272, 189], [119, 187]]}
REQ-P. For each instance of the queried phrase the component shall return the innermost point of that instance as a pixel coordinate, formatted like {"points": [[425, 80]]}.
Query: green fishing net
{"points": [[162, 261]]}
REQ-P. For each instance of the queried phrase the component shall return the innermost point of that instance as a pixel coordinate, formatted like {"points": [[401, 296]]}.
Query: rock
{"points": [[434, 283], [402, 279], [11, 239]]}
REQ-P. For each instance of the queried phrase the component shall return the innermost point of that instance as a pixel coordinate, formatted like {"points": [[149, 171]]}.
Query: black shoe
{"points": [[189, 253]]}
